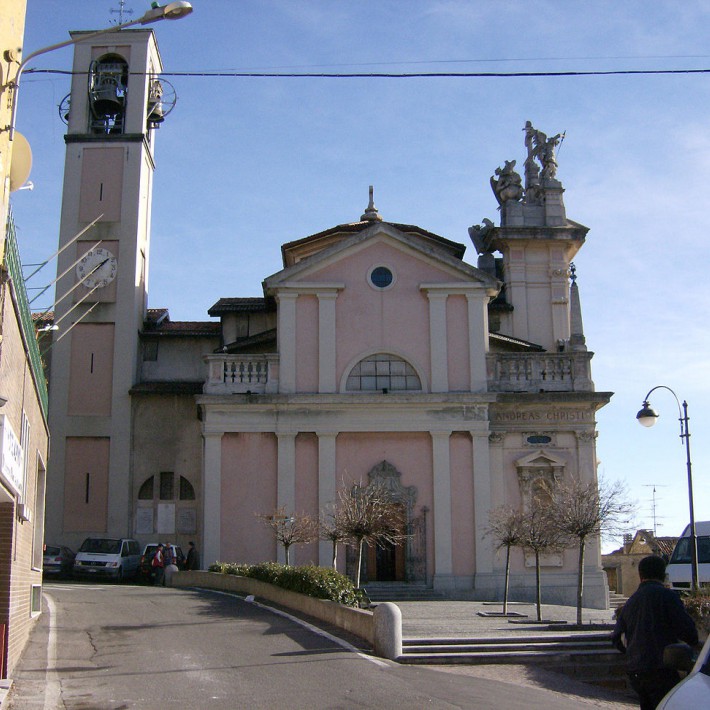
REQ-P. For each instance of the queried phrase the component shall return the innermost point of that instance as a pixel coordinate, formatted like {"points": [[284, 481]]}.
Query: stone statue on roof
{"points": [[507, 184], [542, 148]]}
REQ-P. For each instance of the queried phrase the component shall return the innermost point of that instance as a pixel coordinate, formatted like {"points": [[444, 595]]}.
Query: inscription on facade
{"points": [[562, 415]]}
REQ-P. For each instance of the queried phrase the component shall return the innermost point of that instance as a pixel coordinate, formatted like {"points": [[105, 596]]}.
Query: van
{"points": [[112, 558], [679, 574]]}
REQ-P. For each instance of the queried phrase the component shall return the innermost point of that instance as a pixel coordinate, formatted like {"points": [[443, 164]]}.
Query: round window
{"points": [[381, 277]]}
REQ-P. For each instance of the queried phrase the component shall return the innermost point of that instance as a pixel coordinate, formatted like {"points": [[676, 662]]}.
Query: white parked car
{"points": [[694, 690]]}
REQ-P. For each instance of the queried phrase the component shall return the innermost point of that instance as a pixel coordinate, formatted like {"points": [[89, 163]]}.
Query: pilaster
{"points": [[211, 498], [287, 341], [286, 479], [482, 502], [443, 540], [326, 342], [327, 488], [438, 343], [478, 344]]}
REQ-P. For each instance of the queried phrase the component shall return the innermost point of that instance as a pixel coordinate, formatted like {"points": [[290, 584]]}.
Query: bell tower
{"points": [[115, 104]]}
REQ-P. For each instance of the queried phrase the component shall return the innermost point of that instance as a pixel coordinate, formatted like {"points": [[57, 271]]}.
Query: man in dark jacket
{"points": [[651, 619], [192, 561]]}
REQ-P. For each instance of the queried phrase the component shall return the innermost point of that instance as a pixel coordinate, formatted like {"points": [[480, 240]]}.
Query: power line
{"points": [[400, 75]]}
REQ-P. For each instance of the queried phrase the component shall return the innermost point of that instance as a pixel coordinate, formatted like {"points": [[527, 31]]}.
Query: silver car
{"points": [[694, 690]]}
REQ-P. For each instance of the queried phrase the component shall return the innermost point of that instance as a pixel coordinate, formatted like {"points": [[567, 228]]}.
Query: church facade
{"points": [[376, 354]]}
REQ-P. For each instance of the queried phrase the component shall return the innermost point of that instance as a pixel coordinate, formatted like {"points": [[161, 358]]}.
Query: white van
{"points": [[678, 568], [115, 558]]}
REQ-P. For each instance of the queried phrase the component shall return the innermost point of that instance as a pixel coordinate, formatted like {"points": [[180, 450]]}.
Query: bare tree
{"points": [[539, 535], [505, 525], [585, 510], [329, 529], [290, 529], [366, 514]]}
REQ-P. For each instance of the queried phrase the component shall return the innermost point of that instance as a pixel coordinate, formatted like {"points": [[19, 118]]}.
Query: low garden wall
{"points": [[382, 629]]}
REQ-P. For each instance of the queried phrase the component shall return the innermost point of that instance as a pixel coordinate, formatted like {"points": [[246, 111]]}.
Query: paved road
{"points": [[123, 646]]}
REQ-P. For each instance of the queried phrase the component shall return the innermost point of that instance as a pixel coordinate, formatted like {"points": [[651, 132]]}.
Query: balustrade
{"points": [[540, 372], [240, 374]]}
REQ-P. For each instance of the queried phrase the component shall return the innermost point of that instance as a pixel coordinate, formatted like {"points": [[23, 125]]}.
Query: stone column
{"points": [[286, 480], [211, 498], [443, 541], [478, 339], [326, 342], [437, 340], [287, 341], [327, 488]]}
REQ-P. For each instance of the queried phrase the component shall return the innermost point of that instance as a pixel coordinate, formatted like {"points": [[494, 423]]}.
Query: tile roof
{"points": [[242, 305]]}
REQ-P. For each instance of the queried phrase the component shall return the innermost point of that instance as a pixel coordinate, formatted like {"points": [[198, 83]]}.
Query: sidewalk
{"points": [[442, 619], [462, 619]]}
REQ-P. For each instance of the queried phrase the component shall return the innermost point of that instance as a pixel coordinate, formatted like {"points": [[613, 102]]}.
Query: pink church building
{"points": [[375, 354]]}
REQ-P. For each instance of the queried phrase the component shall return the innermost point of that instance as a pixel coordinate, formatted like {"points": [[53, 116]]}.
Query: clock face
{"points": [[97, 268]]}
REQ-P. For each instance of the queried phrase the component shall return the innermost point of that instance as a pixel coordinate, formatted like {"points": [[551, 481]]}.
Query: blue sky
{"points": [[246, 164]]}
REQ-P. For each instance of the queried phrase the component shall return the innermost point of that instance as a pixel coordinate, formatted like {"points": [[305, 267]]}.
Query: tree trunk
{"points": [[359, 563], [335, 554], [580, 580], [287, 553], [537, 586], [507, 577]]}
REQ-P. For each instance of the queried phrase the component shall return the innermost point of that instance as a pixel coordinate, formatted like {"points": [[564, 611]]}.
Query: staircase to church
{"points": [[616, 600], [584, 656]]}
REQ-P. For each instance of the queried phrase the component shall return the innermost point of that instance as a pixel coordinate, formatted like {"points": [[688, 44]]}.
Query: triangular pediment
{"points": [[410, 243], [540, 459]]}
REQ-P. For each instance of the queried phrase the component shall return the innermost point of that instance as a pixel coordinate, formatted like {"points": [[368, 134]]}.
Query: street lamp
{"points": [[647, 417], [170, 11]]}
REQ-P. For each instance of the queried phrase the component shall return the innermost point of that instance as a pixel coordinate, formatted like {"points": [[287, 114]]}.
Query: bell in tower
{"points": [[108, 88]]}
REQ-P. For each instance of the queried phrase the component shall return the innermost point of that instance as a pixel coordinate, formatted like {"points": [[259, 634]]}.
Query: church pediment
{"points": [[441, 259]]}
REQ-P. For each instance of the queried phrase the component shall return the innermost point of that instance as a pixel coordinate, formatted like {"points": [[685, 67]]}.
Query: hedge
{"points": [[318, 582]]}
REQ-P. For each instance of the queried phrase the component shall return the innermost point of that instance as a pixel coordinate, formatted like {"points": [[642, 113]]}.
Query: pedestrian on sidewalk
{"points": [[158, 565], [193, 559], [651, 619]]}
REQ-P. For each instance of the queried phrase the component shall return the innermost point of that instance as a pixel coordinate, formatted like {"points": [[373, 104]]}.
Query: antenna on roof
{"points": [[653, 503]]}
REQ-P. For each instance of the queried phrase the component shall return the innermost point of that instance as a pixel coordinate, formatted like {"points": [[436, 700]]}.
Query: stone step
{"points": [[401, 591], [572, 637], [585, 656]]}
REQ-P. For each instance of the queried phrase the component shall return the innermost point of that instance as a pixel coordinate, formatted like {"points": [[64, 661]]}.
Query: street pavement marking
{"points": [[52, 688], [320, 632]]}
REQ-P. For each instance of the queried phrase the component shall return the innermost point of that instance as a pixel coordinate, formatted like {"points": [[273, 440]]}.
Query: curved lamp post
{"points": [[170, 11], [647, 417]]}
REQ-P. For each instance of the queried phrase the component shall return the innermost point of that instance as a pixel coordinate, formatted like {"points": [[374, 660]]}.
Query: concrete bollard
{"points": [[388, 630]]}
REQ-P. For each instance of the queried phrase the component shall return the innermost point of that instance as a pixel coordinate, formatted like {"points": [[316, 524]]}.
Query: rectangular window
{"points": [[36, 600], [25, 446], [166, 485], [150, 350], [38, 518]]}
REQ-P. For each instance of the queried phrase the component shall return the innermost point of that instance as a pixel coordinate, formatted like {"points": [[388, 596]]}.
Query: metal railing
{"points": [[14, 269]]}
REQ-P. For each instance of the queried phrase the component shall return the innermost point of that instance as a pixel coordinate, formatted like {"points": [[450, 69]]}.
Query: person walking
{"points": [[651, 619], [193, 559], [158, 565]]}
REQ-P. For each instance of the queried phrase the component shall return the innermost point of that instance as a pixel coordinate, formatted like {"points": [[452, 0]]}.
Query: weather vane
{"points": [[121, 12]]}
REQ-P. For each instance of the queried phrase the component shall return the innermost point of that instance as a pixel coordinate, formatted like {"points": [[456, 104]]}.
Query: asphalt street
{"points": [[108, 646]]}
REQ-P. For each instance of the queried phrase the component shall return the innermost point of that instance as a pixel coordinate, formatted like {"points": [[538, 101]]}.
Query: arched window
{"points": [[382, 371], [167, 478]]}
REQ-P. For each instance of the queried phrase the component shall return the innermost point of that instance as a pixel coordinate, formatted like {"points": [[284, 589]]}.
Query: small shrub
{"points": [[697, 605], [318, 582]]}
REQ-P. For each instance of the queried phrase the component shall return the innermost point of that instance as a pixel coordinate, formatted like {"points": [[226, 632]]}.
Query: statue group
{"points": [[508, 185]]}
